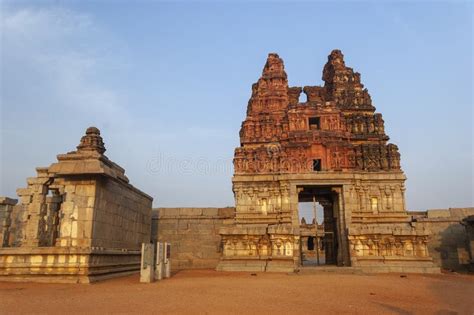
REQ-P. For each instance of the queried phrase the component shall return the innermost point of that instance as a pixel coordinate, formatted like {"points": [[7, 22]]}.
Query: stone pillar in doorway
{"points": [[330, 232]]}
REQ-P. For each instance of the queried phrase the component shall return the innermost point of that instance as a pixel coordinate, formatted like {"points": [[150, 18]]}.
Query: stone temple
{"points": [[332, 149], [80, 219]]}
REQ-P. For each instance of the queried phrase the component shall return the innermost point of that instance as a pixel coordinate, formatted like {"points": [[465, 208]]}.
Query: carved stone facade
{"points": [[337, 124], [331, 149], [79, 220]]}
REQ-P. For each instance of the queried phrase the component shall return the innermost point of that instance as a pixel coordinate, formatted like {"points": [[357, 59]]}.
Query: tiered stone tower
{"points": [[331, 149]]}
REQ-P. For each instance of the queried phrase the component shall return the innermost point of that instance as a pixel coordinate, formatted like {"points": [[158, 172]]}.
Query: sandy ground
{"points": [[210, 292]]}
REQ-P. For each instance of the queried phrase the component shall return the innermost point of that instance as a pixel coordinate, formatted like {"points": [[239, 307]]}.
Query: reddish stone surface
{"points": [[337, 125]]}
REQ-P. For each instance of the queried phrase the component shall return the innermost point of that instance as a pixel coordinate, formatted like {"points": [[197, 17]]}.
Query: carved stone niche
{"points": [[367, 245]]}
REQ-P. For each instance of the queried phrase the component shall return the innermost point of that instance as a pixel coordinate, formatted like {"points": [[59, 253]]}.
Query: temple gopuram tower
{"points": [[331, 149]]}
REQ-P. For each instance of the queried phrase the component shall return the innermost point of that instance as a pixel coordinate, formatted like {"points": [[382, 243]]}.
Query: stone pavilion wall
{"points": [[123, 216]]}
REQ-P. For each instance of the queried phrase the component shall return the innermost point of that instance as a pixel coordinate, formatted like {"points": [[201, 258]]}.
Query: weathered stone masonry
{"points": [[79, 220], [193, 234], [6, 208], [332, 148], [448, 242]]}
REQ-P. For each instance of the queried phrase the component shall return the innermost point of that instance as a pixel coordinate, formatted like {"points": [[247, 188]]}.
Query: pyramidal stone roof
{"points": [[337, 124]]}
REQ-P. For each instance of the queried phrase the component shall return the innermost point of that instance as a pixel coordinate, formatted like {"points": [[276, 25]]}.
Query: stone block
{"points": [[168, 228], [165, 212], [81, 201], [8, 201], [23, 191], [147, 263], [190, 211], [438, 213], [85, 190], [183, 225], [461, 213], [226, 212], [210, 212]]}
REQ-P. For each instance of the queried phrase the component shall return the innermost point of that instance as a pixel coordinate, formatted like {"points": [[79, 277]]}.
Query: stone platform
{"points": [[63, 265]]}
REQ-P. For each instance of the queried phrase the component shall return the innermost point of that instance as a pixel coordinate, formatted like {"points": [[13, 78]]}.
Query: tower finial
{"points": [[92, 141], [274, 67]]}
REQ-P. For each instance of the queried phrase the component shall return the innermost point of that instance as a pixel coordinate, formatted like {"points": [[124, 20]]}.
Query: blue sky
{"points": [[168, 85]]}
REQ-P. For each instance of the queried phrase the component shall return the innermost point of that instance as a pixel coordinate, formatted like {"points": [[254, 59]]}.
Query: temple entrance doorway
{"points": [[318, 226]]}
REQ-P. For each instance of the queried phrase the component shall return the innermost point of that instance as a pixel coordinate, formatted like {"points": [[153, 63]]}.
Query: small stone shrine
{"points": [[79, 220]]}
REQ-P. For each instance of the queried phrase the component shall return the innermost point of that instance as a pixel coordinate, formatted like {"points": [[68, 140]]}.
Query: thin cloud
{"points": [[47, 54], [55, 70]]}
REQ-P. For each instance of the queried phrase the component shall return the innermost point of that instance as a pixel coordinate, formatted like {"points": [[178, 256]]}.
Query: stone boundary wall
{"points": [[196, 244], [448, 241], [193, 234]]}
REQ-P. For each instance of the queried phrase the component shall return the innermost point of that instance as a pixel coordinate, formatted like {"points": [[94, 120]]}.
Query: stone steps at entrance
{"points": [[328, 269]]}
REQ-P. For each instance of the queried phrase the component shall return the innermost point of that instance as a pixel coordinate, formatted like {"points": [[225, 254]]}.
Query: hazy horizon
{"points": [[168, 85]]}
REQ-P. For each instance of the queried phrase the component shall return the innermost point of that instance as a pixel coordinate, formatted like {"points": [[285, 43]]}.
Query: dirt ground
{"points": [[210, 292]]}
